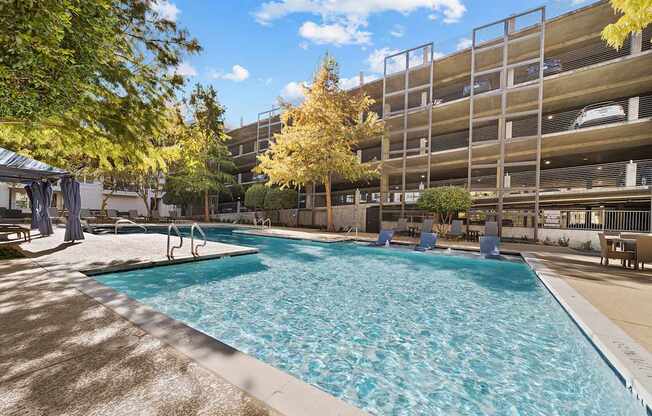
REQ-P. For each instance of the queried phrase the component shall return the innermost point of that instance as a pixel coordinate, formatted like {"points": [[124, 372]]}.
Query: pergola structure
{"points": [[38, 178]]}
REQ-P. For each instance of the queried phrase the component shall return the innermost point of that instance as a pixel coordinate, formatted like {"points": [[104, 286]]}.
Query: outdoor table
{"points": [[616, 241]]}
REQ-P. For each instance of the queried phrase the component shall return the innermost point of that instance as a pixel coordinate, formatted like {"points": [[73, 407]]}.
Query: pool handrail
{"points": [[123, 222], [194, 250], [170, 250]]}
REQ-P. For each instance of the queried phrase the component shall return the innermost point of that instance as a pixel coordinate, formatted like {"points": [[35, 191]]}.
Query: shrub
{"points": [[277, 198], [255, 196]]}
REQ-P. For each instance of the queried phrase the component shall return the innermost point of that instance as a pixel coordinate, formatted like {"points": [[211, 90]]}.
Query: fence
{"points": [[605, 220]]}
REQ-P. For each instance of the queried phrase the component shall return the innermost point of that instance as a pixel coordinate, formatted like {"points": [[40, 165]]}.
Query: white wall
{"points": [[4, 195]]}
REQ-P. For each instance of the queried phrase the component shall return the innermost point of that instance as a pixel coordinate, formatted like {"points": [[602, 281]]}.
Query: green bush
{"points": [[277, 198], [445, 202], [255, 196]]}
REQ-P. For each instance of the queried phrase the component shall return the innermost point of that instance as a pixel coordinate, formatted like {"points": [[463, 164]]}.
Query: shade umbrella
{"points": [[28, 191], [72, 202]]}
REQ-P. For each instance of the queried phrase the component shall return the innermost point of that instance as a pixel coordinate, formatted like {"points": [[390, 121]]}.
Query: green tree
{"points": [[89, 67], [204, 166], [636, 15], [445, 202], [318, 136], [277, 198], [255, 196]]}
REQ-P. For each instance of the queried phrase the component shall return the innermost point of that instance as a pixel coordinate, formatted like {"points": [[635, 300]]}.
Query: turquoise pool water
{"points": [[392, 331]]}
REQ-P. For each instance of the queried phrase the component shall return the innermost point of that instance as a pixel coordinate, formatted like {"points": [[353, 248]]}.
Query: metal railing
{"points": [[170, 250], [605, 220], [121, 223], [194, 249]]}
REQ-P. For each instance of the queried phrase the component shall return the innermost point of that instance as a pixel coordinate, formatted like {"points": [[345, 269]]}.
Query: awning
{"points": [[17, 168]]}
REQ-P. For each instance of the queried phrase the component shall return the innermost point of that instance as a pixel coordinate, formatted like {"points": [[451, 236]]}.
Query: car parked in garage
{"points": [[478, 87], [599, 113], [550, 66]]}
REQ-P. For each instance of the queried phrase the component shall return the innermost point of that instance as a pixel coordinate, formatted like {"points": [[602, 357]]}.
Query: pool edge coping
{"points": [[279, 390], [631, 361]]}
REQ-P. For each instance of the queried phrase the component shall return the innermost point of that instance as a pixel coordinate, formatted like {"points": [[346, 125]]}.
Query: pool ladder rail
{"points": [[263, 222], [194, 249], [123, 222], [170, 250]]}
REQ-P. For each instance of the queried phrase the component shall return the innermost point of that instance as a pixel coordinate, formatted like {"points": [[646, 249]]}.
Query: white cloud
{"points": [[184, 69], [293, 91], [452, 10], [238, 74], [336, 33], [165, 10], [432, 16], [464, 43], [376, 59], [304, 45], [398, 31], [353, 82], [342, 20]]}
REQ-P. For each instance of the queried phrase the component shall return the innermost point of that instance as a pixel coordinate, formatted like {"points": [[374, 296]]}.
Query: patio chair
{"points": [[134, 215], [491, 229], [643, 250], [428, 242], [402, 226], [23, 232], [426, 225], [456, 230], [607, 252], [113, 214], [384, 237], [489, 246]]}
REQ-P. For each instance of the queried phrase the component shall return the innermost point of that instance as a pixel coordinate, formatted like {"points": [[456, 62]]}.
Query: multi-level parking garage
{"points": [[539, 115]]}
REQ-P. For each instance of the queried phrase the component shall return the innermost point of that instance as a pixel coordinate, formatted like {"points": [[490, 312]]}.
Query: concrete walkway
{"points": [[63, 353]]}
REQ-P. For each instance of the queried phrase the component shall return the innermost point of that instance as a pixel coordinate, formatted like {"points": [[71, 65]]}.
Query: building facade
{"points": [[539, 119]]}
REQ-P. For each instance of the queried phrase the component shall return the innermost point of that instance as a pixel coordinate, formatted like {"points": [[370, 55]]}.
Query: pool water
{"points": [[392, 331]]}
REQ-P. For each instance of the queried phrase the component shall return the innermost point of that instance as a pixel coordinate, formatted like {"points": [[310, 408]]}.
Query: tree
{"points": [[445, 202], [255, 196], [636, 16], [317, 138], [204, 166], [277, 198], [100, 63]]}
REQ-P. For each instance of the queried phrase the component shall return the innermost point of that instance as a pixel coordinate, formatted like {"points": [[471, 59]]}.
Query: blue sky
{"points": [[256, 51]]}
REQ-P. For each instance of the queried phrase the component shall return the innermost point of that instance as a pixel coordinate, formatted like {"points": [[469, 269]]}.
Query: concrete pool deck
{"points": [[65, 337], [64, 353]]}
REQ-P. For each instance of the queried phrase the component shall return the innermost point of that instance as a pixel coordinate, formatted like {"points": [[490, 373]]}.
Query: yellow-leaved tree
{"points": [[318, 137], [636, 16]]}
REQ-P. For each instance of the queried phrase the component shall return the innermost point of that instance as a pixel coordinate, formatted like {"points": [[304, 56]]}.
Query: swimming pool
{"points": [[392, 331]]}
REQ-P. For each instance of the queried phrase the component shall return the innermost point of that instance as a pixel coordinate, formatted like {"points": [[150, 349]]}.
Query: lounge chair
{"points": [[644, 250], [113, 214], [456, 230], [22, 231], [607, 252], [491, 229], [428, 242], [489, 246], [384, 237]]}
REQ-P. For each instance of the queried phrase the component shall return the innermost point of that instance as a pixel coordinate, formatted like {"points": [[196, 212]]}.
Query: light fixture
{"points": [[547, 162], [550, 117], [599, 167]]}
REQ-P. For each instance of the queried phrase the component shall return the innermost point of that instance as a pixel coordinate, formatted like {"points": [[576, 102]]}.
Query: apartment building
{"points": [[539, 118]]}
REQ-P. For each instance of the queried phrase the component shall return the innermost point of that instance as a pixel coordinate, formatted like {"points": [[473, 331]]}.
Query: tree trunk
{"points": [[329, 207], [207, 217]]}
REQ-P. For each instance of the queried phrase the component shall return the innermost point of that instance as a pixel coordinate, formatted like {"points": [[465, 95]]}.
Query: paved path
{"points": [[63, 353]]}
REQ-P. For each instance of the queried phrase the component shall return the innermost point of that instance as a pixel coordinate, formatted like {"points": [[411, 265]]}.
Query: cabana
{"points": [[38, 178]]}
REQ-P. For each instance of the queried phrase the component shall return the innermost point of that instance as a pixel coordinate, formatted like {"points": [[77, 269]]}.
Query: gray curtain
{"points": [[42, 197], [28, 191], [72, 202]]}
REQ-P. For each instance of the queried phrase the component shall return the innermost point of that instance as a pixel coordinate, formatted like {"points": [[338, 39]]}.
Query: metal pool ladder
{"points": [[194, 249], [170, 250], [122, 222]]}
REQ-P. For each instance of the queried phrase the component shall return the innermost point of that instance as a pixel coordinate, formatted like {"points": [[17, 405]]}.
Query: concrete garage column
{"points": [[384, 186], [633, 108], [636, 44]]}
